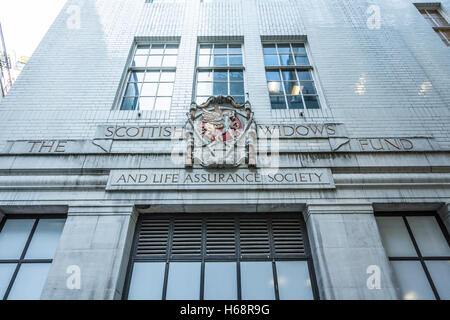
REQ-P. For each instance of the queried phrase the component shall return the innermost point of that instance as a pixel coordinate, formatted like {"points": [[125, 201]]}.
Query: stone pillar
{"points": [[98, 241], [346, 244], [444, 212]]}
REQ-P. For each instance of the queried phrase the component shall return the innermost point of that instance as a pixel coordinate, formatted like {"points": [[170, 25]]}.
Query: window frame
{"points": [[238, 258], [22, 260], [279, 68], [437, 6], [419, 257], [130, 68], [228, 68]]}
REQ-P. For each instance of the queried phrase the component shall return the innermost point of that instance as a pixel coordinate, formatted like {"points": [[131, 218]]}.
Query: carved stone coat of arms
{"points": [[220, 133]]}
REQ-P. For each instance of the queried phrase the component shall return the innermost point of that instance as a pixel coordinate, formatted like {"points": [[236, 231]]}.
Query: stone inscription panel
{"points": [[199, 179]]}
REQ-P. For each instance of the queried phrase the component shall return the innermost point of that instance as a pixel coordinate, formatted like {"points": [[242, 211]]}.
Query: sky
{"points": [[25, 22]]}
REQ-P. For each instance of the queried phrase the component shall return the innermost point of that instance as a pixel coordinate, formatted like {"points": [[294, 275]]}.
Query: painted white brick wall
{"points": [[371, 79]]}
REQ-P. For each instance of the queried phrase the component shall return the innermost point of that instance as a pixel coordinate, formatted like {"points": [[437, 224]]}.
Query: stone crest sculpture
{"points": [[220, 133]]}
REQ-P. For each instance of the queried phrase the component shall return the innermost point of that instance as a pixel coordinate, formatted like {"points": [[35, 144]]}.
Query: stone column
{"points": [[444, 212], [347, 248], [97, 240]]}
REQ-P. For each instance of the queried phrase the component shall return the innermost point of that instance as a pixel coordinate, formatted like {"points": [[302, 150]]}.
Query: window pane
{"points": [[277, 102], [13, 237], [292, 87], [440, 273], [235, 60], [142, 50], [271, 60], [301, 60], [163, 103], [157, 49], [184, 281], [220, 49], [286, 60], [412, 280], [295, 102], [237, 88], [293, 280], [257, 281], [6, 272], [395, 237], [205, 76], [239, 99], [304, 75], [429, 237], [152, 76], [269, 49], [220, 75], [308, 87], [165, 89], [170, 61], [205, 49], [205, 61], [220, 281], [29, 282], [129, 104], [288, 75], [275, 88], [139, 61], [220, 60], [204, 89], [235, 49], [236, 76], [220, 88], [167, 76], [45, 239], [133, 89], [311, 102], [273, 75], [171, 49], [284, 49], [299, 48], [149, 89], [154, 61], [146, 103], [137, 76], [147, 281]]}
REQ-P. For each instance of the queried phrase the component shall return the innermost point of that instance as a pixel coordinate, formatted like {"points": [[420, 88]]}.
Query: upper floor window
{"points": [[151, 78], [289, 76], [27, 248], [419, 252], [433, 13], [220, 71]]}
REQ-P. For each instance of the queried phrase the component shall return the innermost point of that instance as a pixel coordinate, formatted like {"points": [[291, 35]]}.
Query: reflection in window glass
{"points": [[257, 281], [147, 281], [429, 236], [30, 281], [220, 281], [293, 280], [45, 239], [184, 281], [412, 280], [440, 273], [6, 272], [395, 237], [13, 237]]}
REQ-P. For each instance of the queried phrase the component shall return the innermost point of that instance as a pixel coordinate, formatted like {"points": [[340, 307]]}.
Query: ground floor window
{"points": [[418, 248], [27, 247], [229, 257]]}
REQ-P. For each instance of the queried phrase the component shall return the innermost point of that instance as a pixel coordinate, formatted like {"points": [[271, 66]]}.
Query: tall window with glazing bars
{"points": [[290, 78], [150, 78], [220, 71]]}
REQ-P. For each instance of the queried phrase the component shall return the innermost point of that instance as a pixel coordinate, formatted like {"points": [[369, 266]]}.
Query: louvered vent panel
{"points": [[187, 237], [153, 237], [288, 236], [254, 235], [220, 237]]}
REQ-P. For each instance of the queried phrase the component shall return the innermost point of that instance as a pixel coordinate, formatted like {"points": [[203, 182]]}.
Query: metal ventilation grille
{"points": [[213, 236], [288, 236], [187, 237], [153, 237], [220, 237], [254, 236]]}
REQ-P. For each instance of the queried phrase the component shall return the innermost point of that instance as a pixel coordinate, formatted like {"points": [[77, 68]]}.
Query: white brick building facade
{"points": [[388, 81]]}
